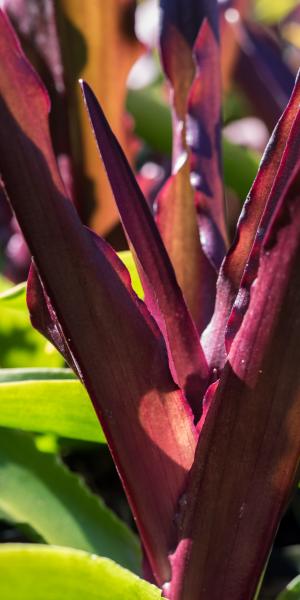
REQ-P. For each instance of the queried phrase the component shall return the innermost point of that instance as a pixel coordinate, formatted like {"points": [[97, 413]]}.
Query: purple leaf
{"points": [[187, 16], [176, 218], [260, 195], [248, 451], [191, 63], [289, 168], [163, 295], [36, 25], [119, 351]]}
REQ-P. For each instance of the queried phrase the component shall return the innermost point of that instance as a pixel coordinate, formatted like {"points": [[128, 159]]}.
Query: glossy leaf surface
{"points": [[49, 401], [66, 573]]}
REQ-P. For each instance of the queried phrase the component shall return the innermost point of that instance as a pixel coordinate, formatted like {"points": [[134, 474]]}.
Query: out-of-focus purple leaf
{"points": [[118, 350], [248, 451], [163, 295], [186, 16], [261, 71], [190, 57], [189, 43], [230, 10], [195, 268], [36, 25], [248, 229]]}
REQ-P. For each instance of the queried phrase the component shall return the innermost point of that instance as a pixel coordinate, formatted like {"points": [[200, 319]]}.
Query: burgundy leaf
{"points": [[187, 16], [248, 451], [36, 25], [163, 295], [118, 350], [191, 63], [249, 228], [288, 170], [43, 317]]}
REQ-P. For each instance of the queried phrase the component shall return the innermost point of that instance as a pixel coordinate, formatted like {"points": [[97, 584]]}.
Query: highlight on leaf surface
{"points": [[66, 572], [47, 401], [82, 300], [199, 430]]}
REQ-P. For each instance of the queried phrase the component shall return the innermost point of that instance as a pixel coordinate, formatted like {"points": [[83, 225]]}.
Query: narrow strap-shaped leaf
{"points": [[248, 227], [47, 401], [54, 573], [186, 17], [36, 25], [163, 295], [57, 505], [190, 56], [249, 444], [289, 168], [32, 374], [118, 350]]}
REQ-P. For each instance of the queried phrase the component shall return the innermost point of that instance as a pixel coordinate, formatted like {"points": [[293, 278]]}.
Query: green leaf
{"points": [[152, 117], [39, 400], [37, 490], [20, 344], [15, 297], [128, 260], [292, 590], [36, 572], [33, 374], [239, 179]]}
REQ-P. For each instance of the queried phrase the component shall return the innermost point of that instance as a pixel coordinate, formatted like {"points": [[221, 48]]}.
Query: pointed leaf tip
{"points": [[163, 295], [101, 320]]}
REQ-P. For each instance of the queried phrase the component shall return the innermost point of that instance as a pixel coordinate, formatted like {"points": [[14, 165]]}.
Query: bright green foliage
{"points": [[37, 490], [241, 179], [20, 344], [127, 258], [48, 401], [14, 297], [292, 590], [38, 374], [66, 574]]}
